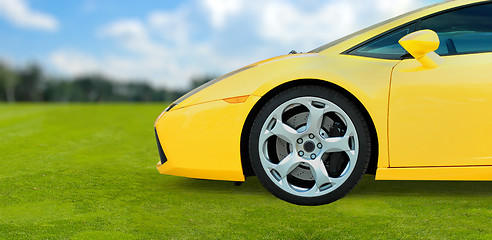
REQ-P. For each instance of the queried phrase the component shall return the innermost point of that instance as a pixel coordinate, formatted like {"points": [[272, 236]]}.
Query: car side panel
{"points": [[475, 173], [441, 117]]}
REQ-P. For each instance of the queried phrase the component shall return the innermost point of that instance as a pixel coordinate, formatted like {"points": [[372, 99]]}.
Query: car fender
{"points": [[365, 78]]}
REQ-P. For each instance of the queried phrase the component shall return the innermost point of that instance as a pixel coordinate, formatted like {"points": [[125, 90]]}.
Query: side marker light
{"points": [[240, 99]]}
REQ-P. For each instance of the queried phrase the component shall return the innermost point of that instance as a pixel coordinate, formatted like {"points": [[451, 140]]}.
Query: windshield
{"points": [[331, 44]]}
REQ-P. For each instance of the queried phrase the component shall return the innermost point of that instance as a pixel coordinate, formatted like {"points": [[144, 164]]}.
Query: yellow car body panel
{"points": [[196, 152], [212, 127], [436, 173], [439, 117]]}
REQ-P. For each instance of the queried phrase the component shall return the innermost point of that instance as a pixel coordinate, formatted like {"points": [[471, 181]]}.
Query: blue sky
{"points": [[168, 42]]}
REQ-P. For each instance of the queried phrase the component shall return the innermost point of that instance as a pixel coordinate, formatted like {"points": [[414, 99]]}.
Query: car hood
{"points": [[236, 83]]}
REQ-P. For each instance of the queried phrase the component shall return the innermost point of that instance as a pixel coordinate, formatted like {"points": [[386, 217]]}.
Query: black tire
{"points": [[305, 182]]}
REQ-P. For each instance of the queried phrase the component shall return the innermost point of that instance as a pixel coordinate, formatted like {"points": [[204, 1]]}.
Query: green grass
{"points": [[87, 171]]}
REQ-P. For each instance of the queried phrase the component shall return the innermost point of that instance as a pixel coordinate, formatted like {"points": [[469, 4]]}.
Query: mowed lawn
{"points": [[87, 171]]}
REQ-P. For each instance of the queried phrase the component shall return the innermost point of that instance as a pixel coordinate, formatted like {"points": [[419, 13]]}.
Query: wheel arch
{"points": [[246, 165]]}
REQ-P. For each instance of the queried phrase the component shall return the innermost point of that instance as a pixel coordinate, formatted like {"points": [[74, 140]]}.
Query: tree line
{"points": [[30, 84]]}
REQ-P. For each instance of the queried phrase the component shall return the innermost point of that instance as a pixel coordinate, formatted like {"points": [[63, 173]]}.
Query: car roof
{"points": [[355, 38]]}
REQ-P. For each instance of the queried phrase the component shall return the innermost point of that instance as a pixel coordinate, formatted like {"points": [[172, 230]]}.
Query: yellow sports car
{"points": [[407, 99]]}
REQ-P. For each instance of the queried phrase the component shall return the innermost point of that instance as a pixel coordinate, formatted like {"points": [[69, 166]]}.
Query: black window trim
{"points": [[417, 27], [381, 56]]}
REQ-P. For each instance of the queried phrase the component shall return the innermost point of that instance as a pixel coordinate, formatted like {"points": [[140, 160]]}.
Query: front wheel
{"points": [[309, 145]]}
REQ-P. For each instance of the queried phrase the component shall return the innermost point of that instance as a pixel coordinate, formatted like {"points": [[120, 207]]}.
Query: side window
{"points": [[465, 30], [385, 46]]}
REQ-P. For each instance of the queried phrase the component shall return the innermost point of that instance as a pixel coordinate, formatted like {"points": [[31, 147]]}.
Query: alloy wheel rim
{"points": [[309, 148]]}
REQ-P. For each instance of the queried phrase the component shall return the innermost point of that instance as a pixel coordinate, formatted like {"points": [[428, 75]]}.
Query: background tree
{"points": [[8, 80], [28, 85], [197, 81]]}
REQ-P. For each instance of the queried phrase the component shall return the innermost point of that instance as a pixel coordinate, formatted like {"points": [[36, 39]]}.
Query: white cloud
{"points": [[158, 48], [173, 27], [74, 62], [221, 9], [141, 54], [19, 13], [207, 36], [394, 8], [133, 35], [306, 24], [286, 23]]}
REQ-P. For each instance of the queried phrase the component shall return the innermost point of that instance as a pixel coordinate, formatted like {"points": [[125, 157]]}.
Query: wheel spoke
{"points": [[321, 176], [341, 144], [284, 131], [315, 118], [319, 173], [337, 144], [350, 130], [265, 135], [352, 156], [289, 163]]}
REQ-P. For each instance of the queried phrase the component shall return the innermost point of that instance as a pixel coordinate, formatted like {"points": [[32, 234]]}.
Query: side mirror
{"points": [[421, 45]]}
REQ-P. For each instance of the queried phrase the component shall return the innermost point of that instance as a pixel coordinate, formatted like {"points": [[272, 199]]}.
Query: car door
{"points": [[443, 116]]}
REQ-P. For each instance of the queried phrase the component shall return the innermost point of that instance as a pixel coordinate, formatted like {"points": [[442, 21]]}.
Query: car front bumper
{"points": [[203, 140]]}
